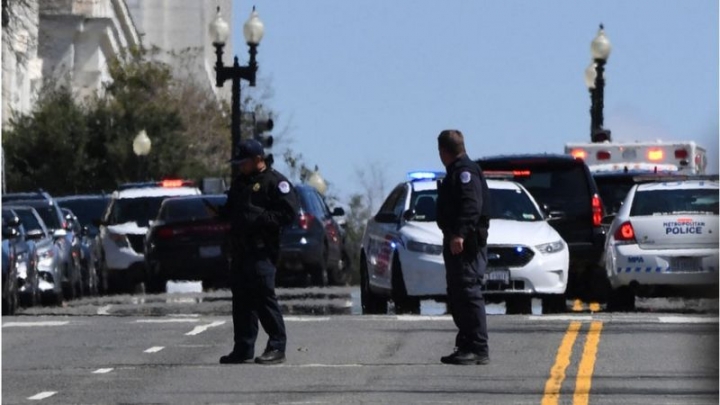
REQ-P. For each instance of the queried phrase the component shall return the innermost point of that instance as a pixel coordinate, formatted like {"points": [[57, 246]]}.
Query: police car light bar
{"points": [[425, 175]]}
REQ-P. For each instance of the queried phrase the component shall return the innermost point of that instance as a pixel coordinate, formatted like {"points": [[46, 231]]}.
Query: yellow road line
{"points": [[562, 360], [578, 306], [587, 365]]}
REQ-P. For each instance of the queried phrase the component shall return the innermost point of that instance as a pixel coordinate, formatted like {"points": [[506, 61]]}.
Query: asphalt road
{"points": [[599, 358]]}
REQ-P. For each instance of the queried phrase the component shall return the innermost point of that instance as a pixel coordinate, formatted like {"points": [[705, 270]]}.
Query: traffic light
{"points": [[259, 129], [601, 135]]}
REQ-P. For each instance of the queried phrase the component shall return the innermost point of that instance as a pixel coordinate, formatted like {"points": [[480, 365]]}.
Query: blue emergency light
{"points": [[424, 175]]}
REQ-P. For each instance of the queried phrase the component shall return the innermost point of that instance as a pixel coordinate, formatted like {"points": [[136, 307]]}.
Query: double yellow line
{"points": [[583, 380]]}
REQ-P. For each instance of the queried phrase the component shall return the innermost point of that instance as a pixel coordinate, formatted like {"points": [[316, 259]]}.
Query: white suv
{"points": [[125, 223], [401, 253]]}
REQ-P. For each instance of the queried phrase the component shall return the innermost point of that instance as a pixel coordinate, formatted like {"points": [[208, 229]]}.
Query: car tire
{"points": [[404, 304], [554, 304], [340, 275], [518, 305], [372, 304], [621, 299]]}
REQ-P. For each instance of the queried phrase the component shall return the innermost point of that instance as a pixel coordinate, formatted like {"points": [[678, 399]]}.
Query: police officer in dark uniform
{"points": [[260, 202], [462, 207]]}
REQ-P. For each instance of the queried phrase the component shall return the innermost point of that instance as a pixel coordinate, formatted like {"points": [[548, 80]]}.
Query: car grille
{"points": [[509, 256], [137, 242]]}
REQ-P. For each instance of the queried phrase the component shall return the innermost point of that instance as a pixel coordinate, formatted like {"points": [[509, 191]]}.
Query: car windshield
{"points": [[563, 189], [190, 209], [28, 220], [49, 215], [514, 205], [87, 209], [139, 210], [679, 201]]}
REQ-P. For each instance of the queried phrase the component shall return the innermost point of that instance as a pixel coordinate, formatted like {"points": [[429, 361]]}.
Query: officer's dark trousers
{"points": [[465, 301], [253, 290]]}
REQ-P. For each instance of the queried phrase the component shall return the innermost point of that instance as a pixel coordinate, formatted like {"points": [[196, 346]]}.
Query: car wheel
{"points": [[372, 304], [404, 304], [94, 282], [340, 275], [621, 299], [518, 305], [156, 283], [554, 304]]}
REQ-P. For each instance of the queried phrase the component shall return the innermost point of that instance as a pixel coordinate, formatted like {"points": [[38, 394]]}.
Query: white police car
{"points": [[401, 252], [664, 235], [125, 223]]}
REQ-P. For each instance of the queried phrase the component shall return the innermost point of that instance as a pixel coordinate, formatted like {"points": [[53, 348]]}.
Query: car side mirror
{"points": [[60, 233], [555, 215], [338, 212], [385, 217], [9, 232], [408, 215], [607, 219], [14, 221]]}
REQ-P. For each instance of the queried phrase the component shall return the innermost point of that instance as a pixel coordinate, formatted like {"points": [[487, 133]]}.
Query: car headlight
{"points": [[428, 248], [120, 240], [553, 247]]}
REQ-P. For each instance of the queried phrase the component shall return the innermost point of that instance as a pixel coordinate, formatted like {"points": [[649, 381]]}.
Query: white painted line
{"points": [[686, 319], [184, 315], [306, 318], [154, 349], [104, 310], [325, 365], [422, 318], [42, 395], [560, 317], [29, 324], [102, 371], [202, 328], [172, 320]]}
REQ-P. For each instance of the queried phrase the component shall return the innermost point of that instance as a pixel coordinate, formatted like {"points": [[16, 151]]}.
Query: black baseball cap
{"points": [[247, 149]]}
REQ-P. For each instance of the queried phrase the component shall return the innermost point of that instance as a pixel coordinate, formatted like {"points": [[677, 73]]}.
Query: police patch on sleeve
{"points": [[465, 177], [284, 187]]}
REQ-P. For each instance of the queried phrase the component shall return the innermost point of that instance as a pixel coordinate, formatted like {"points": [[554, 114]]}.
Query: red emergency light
{"points": [[681, 154], [603, 155]]}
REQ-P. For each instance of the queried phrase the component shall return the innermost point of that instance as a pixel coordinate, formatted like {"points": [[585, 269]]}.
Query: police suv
{"points": [[401, 252], [125, 223], [664, 240]]}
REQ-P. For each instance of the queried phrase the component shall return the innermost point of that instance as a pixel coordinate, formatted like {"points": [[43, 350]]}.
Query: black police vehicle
{"points": [[314, 245], [565, 188]]}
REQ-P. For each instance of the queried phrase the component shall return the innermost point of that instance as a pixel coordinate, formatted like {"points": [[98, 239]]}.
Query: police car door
{"points": [[383, 235]]}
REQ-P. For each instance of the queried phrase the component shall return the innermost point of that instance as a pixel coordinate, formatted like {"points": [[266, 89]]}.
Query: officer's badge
{"points": [[465, 177], [284, 187], [256, 187]]}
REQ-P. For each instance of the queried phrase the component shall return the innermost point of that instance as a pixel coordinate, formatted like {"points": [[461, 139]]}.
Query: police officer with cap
{"points": [[260, 203], [462, 208]]}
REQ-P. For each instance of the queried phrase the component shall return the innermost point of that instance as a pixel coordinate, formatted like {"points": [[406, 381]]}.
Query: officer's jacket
{"points": [[461, 196], [258, 206]]}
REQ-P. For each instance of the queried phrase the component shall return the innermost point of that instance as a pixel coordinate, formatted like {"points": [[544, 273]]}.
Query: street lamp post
{"points": [[595, 81], [141, 147], [253, 31]]}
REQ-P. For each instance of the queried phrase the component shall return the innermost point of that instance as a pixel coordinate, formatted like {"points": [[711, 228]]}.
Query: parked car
{"points": [[401, 253], [613, 186], [64, 237], [49, 263], [124, 226], [26, 257], [188, 242], [566, 190], [664, 242], [10, 295], [313, 244], [88, 208]]}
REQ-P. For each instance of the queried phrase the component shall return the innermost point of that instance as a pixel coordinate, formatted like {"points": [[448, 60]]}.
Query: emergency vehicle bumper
{"points": [[673, 267]]}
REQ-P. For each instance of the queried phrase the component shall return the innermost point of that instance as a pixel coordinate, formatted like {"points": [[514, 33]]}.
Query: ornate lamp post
{"points": [[253, 31], [141, 147], [595, 81]]}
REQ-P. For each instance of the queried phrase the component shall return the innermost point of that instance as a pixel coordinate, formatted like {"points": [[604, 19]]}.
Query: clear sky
{"points": [[358, 83]]}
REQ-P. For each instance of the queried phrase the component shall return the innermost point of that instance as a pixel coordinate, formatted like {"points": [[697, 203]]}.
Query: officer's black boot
{"points": [[463, 358], [233, 358], [271, 357]]}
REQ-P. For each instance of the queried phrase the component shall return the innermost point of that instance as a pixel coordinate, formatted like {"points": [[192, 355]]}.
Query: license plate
{"points": [[685, 264], [210, 251], [501, 276]]}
